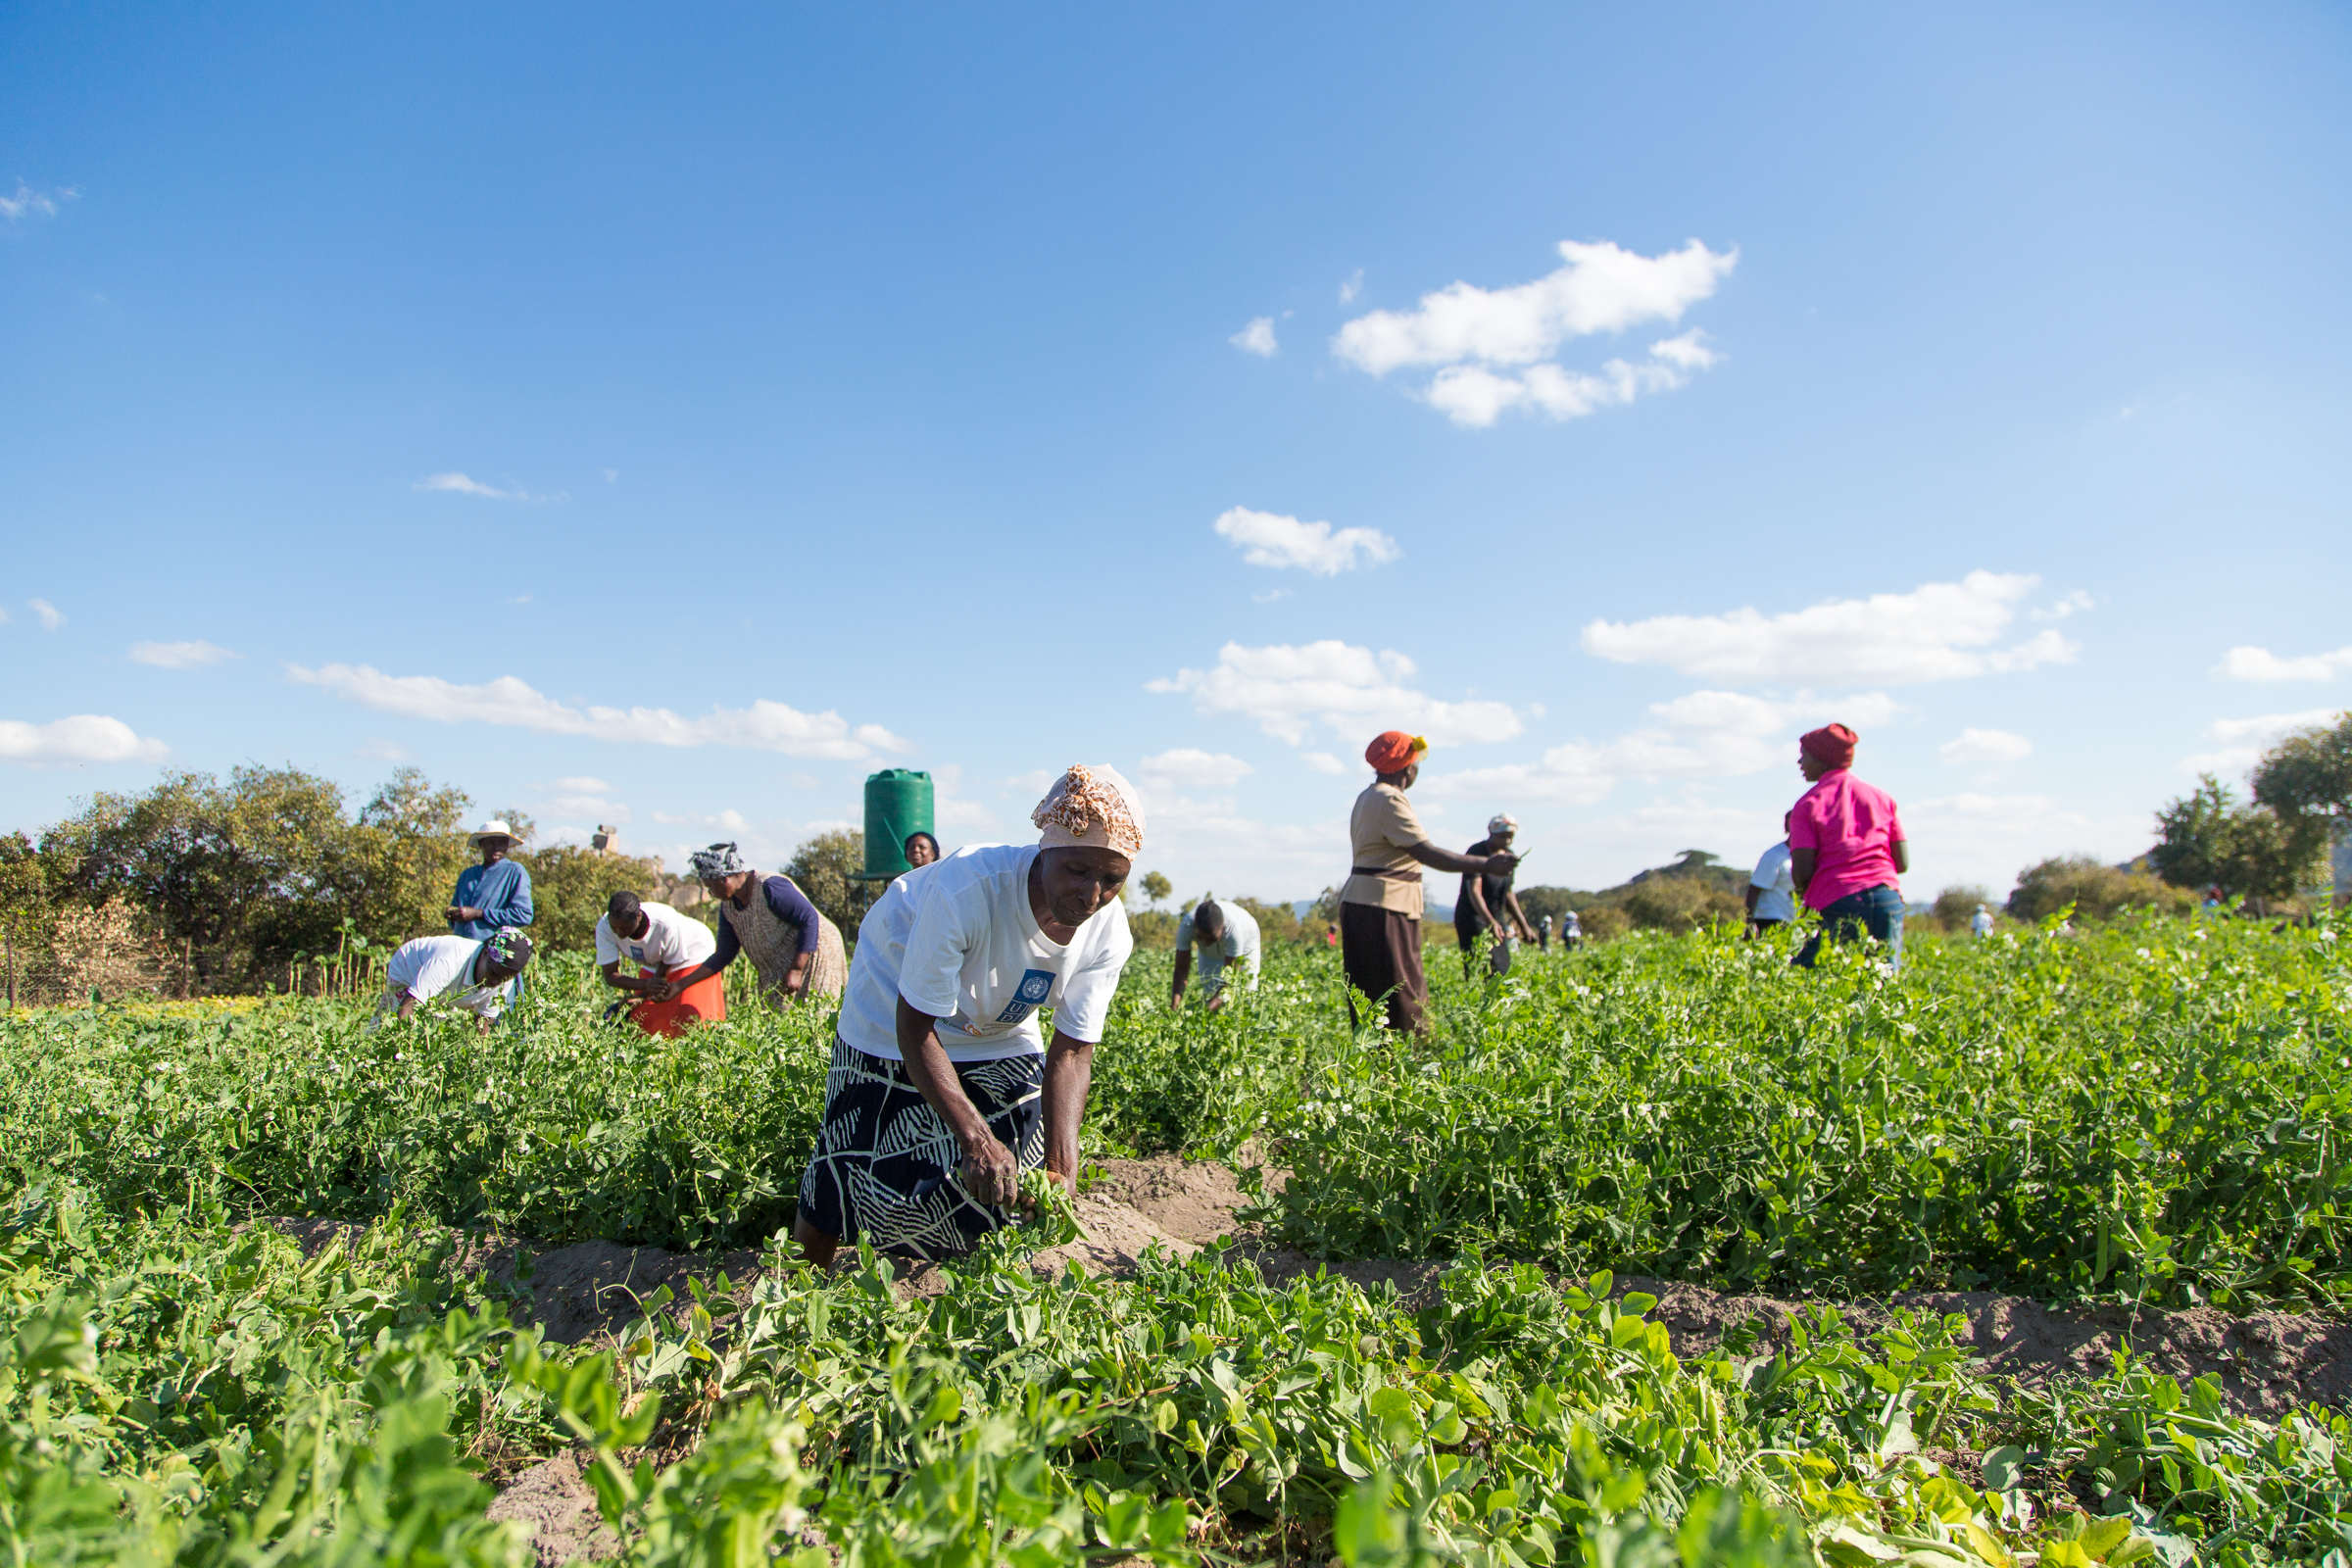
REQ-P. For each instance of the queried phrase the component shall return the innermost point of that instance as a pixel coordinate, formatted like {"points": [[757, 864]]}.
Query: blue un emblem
{"points": [[1036, 985]]}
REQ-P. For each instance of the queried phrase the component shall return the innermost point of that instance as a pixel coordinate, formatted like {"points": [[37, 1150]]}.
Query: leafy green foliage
{"points": [[2090, 889], [2208, 839]]}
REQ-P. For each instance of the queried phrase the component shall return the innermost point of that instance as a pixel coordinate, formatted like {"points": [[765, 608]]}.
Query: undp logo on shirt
{"points": [[1036, 985]]}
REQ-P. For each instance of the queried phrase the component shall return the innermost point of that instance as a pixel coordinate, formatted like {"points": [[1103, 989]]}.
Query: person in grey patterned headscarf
{"points": [[795, 948], [720, 859]]}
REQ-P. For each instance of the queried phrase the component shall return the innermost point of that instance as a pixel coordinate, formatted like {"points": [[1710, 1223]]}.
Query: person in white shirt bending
{"points": [[1223, 932], [942, 1090], [481, 977], [1772, 889], [665, 946]]}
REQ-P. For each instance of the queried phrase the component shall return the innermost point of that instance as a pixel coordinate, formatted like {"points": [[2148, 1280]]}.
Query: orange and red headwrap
{"points": [[1831, 745], [1392, 751]]}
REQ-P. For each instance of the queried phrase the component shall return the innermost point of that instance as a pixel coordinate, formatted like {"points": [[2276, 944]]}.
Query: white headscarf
{"points": [[1093, 807]]}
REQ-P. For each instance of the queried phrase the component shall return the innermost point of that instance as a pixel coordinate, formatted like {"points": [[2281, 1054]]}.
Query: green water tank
{"points": [[898, 803]]}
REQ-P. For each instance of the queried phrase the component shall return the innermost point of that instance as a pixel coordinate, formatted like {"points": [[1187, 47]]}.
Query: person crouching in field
{"points": [[1224, 933], [661, 942], [942, 1091], [797, 951], [1845, 847], [482, 977]]}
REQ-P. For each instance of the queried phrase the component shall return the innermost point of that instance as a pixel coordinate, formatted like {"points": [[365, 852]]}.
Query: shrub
{"points": [[1955, 907], [2097, 892], [1679, 904]]}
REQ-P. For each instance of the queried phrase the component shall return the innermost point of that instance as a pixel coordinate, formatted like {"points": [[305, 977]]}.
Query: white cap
{"points": [[1502, 822]]}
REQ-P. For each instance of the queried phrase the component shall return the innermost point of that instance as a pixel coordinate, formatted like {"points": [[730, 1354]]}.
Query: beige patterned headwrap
{"points": [[1092, 806]]}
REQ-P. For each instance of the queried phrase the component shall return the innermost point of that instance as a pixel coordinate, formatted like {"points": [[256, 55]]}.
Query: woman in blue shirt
{"points": [[494, 895]]}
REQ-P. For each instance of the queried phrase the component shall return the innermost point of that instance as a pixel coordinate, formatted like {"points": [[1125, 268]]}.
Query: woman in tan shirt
{"points": [[1380, 903]]}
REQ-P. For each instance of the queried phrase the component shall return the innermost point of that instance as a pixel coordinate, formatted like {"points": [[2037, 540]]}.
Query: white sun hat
{"points": [[1502, 822], [492, 829]]}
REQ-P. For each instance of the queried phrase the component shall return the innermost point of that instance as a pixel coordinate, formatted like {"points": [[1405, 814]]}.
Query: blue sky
{"points": [[669, 418]]}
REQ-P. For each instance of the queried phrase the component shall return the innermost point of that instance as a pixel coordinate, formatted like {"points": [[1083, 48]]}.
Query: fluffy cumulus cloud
{"points": [[2260, 663], [1703, 735], [2243, 741], [178, 656], [1287, 690], [1271, 539], [50, 616], [1189, 767], [1492, 350], [77, 741], [1257, 338], [1985, 746], [764, 726], [1938, 632], [1324, 763]]}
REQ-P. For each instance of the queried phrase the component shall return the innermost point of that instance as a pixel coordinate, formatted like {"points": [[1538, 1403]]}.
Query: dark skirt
{"points": [[1381, 950], [885, 1162]]}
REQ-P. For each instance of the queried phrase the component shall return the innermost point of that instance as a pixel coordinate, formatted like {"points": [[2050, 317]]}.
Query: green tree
{"points": [[1155, 888], [245, 872], [2207, 839], [2095, 890], [1276, 922], [24, 906], [1956, 906], [415, 837], [2307, 775], [829, 869]]}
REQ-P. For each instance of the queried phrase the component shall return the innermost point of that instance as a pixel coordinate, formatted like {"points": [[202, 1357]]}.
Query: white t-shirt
{"points": [[671, 941], [1982, 924], [1240, 941], [443, 966], [957, 939], [1777, 900]]}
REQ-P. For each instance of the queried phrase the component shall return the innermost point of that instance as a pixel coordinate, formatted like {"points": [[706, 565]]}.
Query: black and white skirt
{"points": [[885, 1162]]}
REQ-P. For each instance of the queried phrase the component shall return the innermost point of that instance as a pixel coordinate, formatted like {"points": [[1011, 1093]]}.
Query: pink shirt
{"points": [[1852, 829]]}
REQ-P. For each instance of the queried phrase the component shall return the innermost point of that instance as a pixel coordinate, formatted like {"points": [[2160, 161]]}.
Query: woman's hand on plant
{"points": [[991, 1175]]}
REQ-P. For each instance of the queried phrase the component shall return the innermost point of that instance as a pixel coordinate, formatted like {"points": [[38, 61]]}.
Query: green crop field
{"points": [[2150, 1112]]}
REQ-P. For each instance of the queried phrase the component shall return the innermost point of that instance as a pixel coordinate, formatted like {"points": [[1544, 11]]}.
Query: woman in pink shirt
{"points": [[1846, 847]]}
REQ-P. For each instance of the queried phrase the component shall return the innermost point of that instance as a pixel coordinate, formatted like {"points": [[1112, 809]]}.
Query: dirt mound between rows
{"points": [[2265, 1362], [554, 1502]]}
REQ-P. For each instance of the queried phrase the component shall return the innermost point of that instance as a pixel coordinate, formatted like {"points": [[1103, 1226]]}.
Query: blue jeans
{"points": [[1877, 910]]}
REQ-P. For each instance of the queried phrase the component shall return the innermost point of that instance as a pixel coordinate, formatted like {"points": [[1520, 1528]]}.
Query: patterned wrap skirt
{"points": [[885, 1162]]}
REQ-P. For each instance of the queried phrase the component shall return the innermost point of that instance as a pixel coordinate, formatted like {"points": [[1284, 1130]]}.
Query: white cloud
{"points": [[1206, 844], [1988, 839], [1702, 735], [1271, 539], [2251, 738], [589, 806], [381, 749], [1477, 340], [2260, 663], [1257, 338], [1985, 746], [1033, 784], [1324, 763], [1350, 286], [1286, 689], [178, 656], [726, 821], [81, 739], [51, 617], [461, 485], [584, 786], [766, 726], [1187, 765], [1938, 631], [28, 200], [950, 807]]}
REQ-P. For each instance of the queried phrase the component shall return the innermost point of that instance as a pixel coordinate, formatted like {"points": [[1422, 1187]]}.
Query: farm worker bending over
{"points": [[1486, 899], [1772, 886], [481, 977], [494, 896], [661, 941], [1222, 931], [1845, 847], [796, 950], [1379, 903], [942, 1091]]}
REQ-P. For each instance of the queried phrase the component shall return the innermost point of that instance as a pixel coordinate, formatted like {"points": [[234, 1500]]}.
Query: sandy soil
{"points": [[2264, 1362]]}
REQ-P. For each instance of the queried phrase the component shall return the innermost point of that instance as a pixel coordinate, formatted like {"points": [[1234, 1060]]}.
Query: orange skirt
{"points": [[704, 1002]]}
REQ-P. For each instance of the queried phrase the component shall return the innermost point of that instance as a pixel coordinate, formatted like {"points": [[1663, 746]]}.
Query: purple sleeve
{"points": [[791, 903], [729, 944]]}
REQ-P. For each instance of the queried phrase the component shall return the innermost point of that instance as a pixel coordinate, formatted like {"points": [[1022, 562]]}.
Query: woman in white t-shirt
{"points": [[943, 1088], [664, 945], [481, 977]]}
